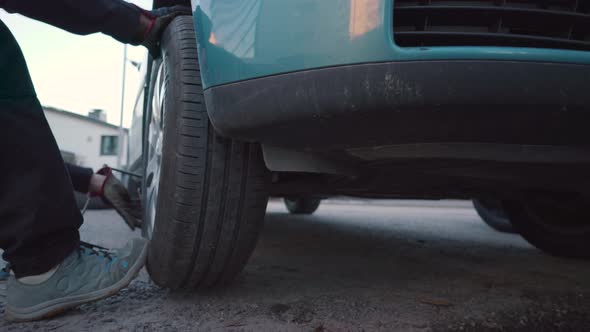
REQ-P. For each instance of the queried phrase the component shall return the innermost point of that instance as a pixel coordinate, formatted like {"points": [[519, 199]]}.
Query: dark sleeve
{"points": [[80, 177], [115, 18]]}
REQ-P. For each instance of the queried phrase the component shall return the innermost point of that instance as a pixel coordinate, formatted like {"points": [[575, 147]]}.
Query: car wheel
{"points": [[492, 213], [555, 224], [204, 195], [302, 205]]}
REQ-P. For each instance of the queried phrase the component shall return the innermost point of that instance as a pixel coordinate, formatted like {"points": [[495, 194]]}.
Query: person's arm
{"points": [[116, 18], [123, 21]]}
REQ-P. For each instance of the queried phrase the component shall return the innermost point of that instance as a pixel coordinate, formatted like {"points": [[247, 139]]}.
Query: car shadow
{"points": [[436, 251], [393, 268]]}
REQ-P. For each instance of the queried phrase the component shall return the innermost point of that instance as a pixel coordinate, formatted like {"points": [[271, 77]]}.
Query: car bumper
{"points": [[254, 38], [421, 102]]}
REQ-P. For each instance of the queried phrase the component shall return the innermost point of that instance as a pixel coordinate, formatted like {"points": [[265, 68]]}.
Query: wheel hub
{"points": [[154, 153]]}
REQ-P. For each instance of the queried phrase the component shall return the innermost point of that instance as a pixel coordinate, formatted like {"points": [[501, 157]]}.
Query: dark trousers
{"points": [[39, 219], [80, 177]]}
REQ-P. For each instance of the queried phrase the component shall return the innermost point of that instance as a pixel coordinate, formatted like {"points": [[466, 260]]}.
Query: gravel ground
{"points": [[386, 266]]}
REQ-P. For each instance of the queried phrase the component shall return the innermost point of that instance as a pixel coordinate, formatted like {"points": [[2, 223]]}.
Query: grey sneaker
{"points": [[88, 274], [4, 274]]}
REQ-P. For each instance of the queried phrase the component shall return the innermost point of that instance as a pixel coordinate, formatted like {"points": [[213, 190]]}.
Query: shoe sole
{"points": [[2, 291], [55, 307]]}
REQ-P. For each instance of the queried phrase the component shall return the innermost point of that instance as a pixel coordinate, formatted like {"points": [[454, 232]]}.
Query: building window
{"points": [[108, 145]]}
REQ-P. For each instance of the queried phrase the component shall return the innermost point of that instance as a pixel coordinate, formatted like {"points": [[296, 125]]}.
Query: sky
{"points": [[78, 73]]}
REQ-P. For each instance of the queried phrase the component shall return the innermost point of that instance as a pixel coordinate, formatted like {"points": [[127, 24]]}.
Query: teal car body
{"points": [[366, 73], [240, 40]]}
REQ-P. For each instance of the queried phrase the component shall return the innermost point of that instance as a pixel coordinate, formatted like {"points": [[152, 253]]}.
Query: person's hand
{"points": [[156, 22]]}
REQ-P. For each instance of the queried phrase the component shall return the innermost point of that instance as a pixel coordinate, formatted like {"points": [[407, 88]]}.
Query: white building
{"points": [[86, 140]]}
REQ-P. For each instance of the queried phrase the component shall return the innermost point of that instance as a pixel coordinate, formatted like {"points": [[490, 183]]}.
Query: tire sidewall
{"points": [[302, 205], [563, 245], [159, 241], [495, 221]]}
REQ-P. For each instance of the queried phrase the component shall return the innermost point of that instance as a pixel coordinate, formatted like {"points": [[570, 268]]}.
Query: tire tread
{"points": [[211, 209]]}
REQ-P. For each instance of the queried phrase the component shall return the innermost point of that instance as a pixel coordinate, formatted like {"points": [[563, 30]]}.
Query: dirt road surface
{"points": [[356, 266]]}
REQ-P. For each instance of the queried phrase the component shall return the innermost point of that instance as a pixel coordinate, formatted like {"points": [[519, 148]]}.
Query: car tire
{"points": [[556, 225], [492, 213], [204, 195], [302, 205]]}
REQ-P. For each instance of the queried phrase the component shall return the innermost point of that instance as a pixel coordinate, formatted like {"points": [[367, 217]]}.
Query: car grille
{"points": [[559, 24]]}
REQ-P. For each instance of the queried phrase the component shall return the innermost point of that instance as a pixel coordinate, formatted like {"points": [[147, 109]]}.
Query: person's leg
{"points": [[81, 177], [39, 219]]}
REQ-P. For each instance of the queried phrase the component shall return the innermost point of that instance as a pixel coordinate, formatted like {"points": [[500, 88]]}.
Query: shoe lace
{"points": [[92, 249]]}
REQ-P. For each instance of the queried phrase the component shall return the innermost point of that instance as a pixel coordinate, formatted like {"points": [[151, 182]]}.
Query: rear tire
{"points": [[204, 195], [555, 224], [492, 213], [302, 205]]}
